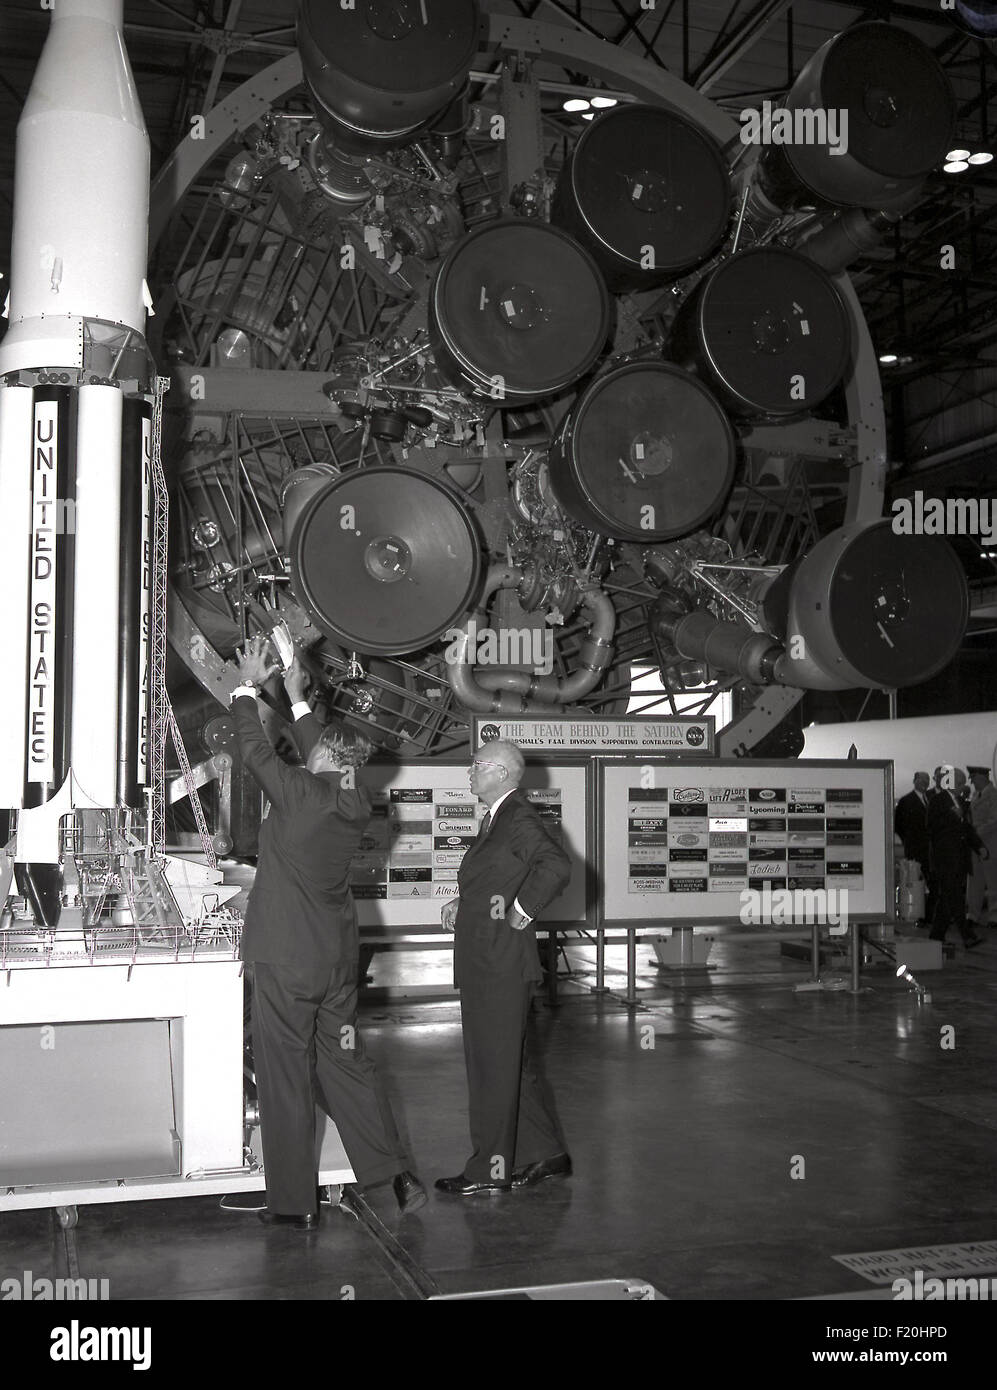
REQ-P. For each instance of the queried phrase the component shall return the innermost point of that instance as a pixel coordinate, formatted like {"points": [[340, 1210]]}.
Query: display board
{"points": [[425, 817], [680, 736], [691, 842]]}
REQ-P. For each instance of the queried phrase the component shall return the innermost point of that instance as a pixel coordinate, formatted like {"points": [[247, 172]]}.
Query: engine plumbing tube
{"points": [[848, 235], [700, 636], [519, 692]]}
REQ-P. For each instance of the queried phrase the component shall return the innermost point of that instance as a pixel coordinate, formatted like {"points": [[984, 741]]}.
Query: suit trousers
{"points": [[950, 904], [511, 1109], [300, 1015], [929, 888]]}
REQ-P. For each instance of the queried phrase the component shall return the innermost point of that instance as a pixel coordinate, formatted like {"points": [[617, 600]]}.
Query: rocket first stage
{"points": [[75, 448]]}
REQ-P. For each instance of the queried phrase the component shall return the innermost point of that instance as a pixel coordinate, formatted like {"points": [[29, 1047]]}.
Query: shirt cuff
{"points": [[300, 708], [521, 910], [243, 690]]}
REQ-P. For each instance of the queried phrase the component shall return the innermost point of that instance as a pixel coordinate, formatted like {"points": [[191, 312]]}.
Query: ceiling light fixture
{"points": [[958, 154], [956, 166], [888, 358], [604, 101], [576, 104], [984, 157]]}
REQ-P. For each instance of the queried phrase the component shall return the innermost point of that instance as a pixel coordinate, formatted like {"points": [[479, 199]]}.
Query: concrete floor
{"points": [[684, 1151]]}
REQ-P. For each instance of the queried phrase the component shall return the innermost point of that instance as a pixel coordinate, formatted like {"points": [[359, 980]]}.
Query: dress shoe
{"points": [[557, 1167], [971, 941], [464, 1187], [409, 1192], [307, 1221]]}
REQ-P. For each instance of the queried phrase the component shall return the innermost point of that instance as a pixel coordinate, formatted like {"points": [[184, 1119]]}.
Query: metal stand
{"points": [[855, 934]]}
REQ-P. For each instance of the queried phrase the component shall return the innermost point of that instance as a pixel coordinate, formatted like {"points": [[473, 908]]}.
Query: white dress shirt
{"points": [[299, 709]]}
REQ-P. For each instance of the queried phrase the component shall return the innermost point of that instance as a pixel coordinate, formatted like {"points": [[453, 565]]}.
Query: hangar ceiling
{"points": [[188, 54]]}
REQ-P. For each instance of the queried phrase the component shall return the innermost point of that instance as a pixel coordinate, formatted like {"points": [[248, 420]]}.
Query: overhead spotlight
{"points": [[604, 101], [984, 157], [958, 154], [956, 166], [588, 115], [888, 359], [576, 104]]}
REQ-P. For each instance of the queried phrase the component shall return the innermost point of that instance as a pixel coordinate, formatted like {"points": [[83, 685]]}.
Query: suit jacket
{"points": [[951, 837], [910, 821], [300, 908], [515, 858]]}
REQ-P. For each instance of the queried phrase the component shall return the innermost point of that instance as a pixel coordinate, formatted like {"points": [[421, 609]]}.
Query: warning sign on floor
{"points": [[938, 1261]]}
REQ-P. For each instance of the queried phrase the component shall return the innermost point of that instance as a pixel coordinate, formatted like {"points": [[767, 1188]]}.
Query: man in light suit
{"points": [[983, 813], [507, 877], [300, 941]]}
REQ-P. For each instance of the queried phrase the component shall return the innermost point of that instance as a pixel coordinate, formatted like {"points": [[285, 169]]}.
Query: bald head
{"points": [[504, 751], [496, 768]]}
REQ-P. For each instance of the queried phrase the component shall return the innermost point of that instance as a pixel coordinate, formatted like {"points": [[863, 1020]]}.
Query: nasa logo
{"points": [[688, 794], [696, 735], [453, 839], [489, 732], [766, 794]]}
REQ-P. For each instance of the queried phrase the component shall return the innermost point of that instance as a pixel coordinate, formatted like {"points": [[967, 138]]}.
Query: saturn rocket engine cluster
{"points": [[545, 359], [543, 417]]}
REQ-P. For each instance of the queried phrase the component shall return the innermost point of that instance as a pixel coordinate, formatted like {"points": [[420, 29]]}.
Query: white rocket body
{"points": [[81, 192], [75, 451]]}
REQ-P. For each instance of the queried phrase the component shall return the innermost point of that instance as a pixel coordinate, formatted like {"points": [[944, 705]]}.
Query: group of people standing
{"points": [[950, 830], [301, 948]]}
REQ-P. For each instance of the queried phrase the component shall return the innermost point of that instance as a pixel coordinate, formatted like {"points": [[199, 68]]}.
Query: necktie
{"points": [[486, 822]]}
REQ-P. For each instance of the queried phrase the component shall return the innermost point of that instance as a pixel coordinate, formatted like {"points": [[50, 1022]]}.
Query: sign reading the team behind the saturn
{"points": [[631, 734]]}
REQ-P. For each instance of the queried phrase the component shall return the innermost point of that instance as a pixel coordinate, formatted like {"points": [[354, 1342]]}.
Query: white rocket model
{"points": [[75, 428]]}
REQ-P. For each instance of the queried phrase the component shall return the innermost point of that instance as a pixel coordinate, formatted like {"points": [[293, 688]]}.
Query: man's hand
{"points": [[449, 917], [255, 663], [296, 681]]}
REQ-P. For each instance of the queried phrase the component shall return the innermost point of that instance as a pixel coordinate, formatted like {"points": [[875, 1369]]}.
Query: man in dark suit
{"points": [[910, 821], [952, 841], [507, 877], [300, 942]]}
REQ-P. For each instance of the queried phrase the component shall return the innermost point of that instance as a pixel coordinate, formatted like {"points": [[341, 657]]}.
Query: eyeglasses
{"points": [[475, 762]]}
